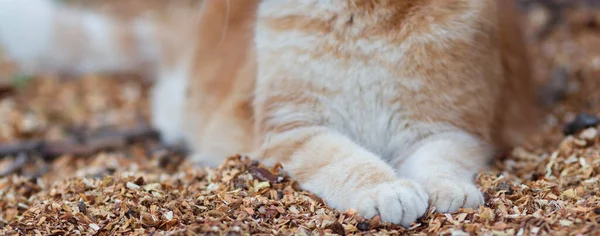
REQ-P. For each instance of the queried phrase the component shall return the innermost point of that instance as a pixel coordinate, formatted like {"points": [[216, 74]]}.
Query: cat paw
{"points": [[448, 195], [206, 159], [399, 202]]}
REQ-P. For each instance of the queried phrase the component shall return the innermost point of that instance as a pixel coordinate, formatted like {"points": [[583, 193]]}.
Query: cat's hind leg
{"points": [[445, 164]]}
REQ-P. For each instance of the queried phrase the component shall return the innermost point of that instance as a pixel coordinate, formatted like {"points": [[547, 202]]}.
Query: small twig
{"points": [[129, 135], [17, 165], [24, 146], [108, 139], [6, 89]]}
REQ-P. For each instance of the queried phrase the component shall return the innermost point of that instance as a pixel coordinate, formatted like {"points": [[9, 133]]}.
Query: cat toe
{"points": [[448, 196], [400, 202]]}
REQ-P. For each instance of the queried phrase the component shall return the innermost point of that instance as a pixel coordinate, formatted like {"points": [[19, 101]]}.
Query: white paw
{"points": [[399, 202], [206, 159], [449, 195]]}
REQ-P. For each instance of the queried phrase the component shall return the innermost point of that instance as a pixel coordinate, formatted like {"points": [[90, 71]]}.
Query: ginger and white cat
{"points": [[381, 106]]}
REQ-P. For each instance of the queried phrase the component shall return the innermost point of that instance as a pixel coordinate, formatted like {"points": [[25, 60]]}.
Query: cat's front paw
{"points": [[450, 195], [399, 202]]}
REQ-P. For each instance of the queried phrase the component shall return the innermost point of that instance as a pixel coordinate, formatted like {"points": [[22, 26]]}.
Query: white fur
{"points": [[147, 45], [168, 102], [28, 34], [445, 164], [104, 53], [360, 126], [365, 120], [26, 31], [208, 157], [400, 201]]}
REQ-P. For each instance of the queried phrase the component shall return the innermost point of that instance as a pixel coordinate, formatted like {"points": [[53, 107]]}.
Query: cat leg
{"points": [[167, 103], [344, 174], [445, 164], [227, 131]]}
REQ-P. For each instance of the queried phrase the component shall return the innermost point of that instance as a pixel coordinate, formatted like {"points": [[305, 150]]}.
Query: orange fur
{"points": [[219, 93], [382, 106], [432, 87]]}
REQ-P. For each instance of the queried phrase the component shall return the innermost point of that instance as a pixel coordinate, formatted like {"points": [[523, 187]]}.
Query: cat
{"points": [[385, 107]]}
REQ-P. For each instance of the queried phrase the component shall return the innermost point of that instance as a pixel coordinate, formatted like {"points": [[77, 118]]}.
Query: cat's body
{"points": [[379, 106]]}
